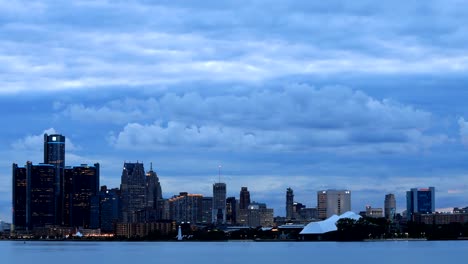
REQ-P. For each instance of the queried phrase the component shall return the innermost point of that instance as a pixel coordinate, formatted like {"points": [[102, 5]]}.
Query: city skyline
{"points": [[368, 97]]}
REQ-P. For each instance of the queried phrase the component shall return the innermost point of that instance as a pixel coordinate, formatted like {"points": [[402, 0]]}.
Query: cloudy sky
{"points": [[359, 95]]}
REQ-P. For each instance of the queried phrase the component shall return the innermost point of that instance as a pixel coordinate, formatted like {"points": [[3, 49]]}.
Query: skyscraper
{"points": [[420, 201], [153, 189], [390, 206], [289, 203], [81, 183], [244, 198], [41, 202], [186, 208], [19, 198], [332, 202], [207, 210], [54, 154], [219, 203], [231, 210], [133, 191]]}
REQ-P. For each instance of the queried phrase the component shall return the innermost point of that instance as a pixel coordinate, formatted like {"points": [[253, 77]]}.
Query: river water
{"points": [[234, 252]]}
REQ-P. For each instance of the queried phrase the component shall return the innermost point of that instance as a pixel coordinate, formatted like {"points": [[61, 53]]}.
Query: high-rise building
{"points": [[390, 206], [46, 194], [40, 196], [289, 204], [256, 214], [420, 201], [244, 198], [207, 210], [105, 209], [219, 203], [153, 189], [186, 208], [19, 198], [133, 191], [231, 210], [81, 183], [330, 202], [54, 154]]}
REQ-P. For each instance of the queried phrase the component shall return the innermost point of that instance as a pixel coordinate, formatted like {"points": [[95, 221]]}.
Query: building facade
{"points": [[207, 210], [219, 203], [133, 191], [231, 210], [420, 201], [81, 183], [330, 202], [244, 198], [289, 204], [390, 206], [186, 208]]}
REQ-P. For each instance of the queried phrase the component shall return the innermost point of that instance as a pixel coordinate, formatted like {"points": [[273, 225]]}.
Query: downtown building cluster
{"points": [[52, 199]]}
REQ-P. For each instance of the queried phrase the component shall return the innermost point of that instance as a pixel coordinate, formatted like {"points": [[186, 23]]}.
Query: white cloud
{"points": [[35, 143], [296, 118]]}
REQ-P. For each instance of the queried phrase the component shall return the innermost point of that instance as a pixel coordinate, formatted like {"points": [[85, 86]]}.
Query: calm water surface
{"points": [[234, 252]]}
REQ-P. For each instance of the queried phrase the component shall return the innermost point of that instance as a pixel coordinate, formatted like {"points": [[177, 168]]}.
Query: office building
{"points": [[333, 202], [256, 214], [207, 210], [153, 189], [420, 201], [133, 191], [19, 198], [244, 198], [219, 203], [105, 209], [54, 154], [390, 206], [289, 204], [41, 203], [81, 183], [186, 207], [373, 212], [231, 210]]}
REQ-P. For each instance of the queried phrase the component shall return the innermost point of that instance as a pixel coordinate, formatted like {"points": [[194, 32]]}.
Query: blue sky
{"points": [[358, 95]]}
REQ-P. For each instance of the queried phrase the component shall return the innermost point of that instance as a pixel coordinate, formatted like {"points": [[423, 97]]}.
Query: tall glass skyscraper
{"points": [[390, 206], [289, 203], [420, 201], [54, 154], [244, 198], [219, 203], [133, 191]]}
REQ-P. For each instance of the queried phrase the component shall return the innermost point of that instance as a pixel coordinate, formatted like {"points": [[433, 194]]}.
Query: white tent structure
{"points": [[327, 225]]}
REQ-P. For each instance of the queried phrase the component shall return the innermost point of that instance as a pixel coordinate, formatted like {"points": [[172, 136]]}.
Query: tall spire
{"points": [[151, 166]]}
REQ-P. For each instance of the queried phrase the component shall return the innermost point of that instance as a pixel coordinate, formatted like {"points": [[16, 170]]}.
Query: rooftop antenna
{"points": [[151, 166]]}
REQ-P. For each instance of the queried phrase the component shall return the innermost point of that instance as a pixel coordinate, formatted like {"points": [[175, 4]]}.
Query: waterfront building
{"points": [[153, 189], [186, 208], [333, 202], [219, 203], [390, 206], [231, 210], [81, 183], [373, 212], [54, 154], [289, 204], [105, 209], [256, 214], [420, 201], [207, 210], [19, 198], [244, 198], [40, 196], [133, 191]]}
